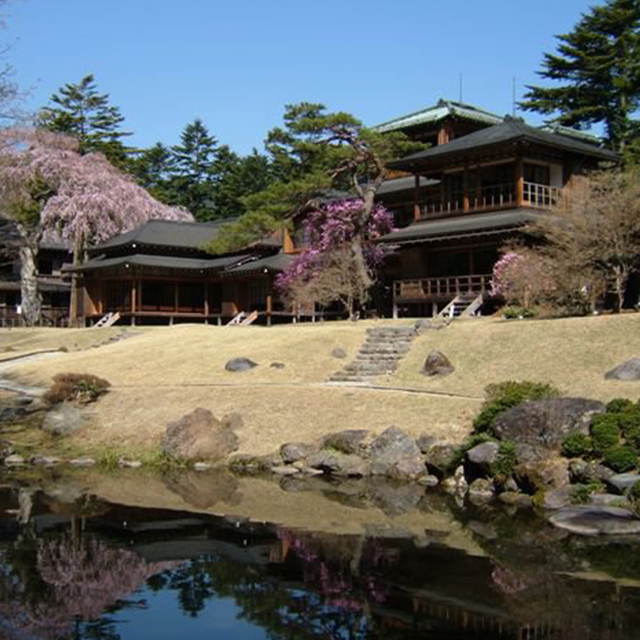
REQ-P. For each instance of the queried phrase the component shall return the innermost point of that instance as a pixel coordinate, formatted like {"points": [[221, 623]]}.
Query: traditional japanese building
{"points": [[161, 273], [470, 195]]}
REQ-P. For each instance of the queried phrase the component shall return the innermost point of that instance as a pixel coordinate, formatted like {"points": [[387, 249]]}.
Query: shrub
{"points": [[634, 493], [79, 387], [605, 432], [507, 459], [628, 422], [632, 436], [619, 404], [504, 395], [512, 313], [576, 445], [582, 492], [621, 459]]}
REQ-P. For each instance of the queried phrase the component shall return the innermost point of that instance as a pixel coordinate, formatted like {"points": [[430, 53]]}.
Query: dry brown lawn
{"points": [[165, 372]]}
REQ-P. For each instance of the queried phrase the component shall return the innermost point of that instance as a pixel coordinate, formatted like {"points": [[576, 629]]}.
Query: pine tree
{"points": [[154, 169], [597, 67], [194, 162], [80, 111]]}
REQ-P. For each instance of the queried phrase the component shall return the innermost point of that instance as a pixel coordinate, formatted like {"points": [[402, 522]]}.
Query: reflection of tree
{"points": [[69, 580]]}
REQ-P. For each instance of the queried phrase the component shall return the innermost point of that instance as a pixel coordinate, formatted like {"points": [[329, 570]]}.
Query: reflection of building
{"points": [[55, 290]]}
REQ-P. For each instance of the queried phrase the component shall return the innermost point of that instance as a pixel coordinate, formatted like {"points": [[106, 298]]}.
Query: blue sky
{"points": [[236, 63]]}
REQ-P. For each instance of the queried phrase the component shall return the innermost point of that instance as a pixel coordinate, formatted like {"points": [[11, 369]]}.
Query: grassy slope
{"points": [[166, 372]]}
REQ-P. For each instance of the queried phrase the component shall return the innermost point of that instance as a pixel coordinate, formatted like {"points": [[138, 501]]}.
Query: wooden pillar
{"points": [[416, 198], [175, 297], [465, 188], [206, 302], [269, 307], [134, 301], [519, 182]]}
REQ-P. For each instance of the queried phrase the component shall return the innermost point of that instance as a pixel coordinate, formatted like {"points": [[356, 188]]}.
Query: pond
{"points": [[138, 555]]}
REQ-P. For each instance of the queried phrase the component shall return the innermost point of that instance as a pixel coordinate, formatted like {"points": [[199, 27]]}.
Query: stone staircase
{"points": [[379, 355]]}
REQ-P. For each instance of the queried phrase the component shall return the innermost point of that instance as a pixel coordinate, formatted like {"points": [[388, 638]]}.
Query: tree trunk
{"points": [[73, 302], [620, 282], [31, 303]]}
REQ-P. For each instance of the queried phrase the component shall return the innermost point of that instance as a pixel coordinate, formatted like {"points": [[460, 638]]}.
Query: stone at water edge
{"points": [[199, 436], [240, 364], [437, 364], [14, 460], [425, 442], [482, 456], [629, 371], [592, 520], [284, 471], [348, 441], [294, 451], [390, 448], [44, 461], [557, 498], [82, 462], [439, 458], [481, 490]]}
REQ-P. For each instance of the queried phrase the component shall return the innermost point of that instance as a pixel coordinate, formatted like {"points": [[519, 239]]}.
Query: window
{"points": [[537, 173]]}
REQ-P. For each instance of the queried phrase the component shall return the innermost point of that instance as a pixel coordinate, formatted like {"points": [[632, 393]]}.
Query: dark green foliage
{"points": [[80, 111], [634, 493], [315, 151], [582, 492], [80, 387], [621, 459], [619, 404], [596, 73], [576, 445], [504, 395], [605, 432], [507, 459]]}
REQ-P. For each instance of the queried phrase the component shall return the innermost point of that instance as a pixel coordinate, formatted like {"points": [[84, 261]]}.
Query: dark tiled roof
{"points": [[276, 262], [183, 235], [403, 184], [511, 130], [461, 225], [163, 262]]}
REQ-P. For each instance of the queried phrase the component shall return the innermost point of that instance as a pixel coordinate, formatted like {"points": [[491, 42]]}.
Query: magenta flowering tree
{"points": [[522, 277], [48, 188], [329, 270]]}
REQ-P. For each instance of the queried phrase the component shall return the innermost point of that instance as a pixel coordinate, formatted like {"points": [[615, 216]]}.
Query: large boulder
{"points": [[199, 436], [546, 423], [483, 456], [63, 420], [395, 454], [437, 364], [629, 370], [339, 464], [240, 364], [349, 441]]}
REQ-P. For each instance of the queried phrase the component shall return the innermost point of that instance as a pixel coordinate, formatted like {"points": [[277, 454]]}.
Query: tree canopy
{"points": [[596, 71], [78, 110]]}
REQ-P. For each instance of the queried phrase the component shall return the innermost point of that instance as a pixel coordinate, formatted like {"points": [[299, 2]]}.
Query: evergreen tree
{"points": [[80, 111], [597, 67], [154, 169], [194, 164]]}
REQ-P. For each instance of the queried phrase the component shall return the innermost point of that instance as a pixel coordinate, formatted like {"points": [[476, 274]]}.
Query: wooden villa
{"points": [[470, 195], [161, 274]]}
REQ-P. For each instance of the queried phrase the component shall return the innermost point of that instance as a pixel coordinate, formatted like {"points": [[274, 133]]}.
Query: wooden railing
{"points": [[541, 196], [484, 198], [442, 288], [493, 198], [50, 317]]}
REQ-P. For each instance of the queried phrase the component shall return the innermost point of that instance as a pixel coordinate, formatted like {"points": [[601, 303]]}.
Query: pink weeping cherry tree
{"points": [[47, 189]]}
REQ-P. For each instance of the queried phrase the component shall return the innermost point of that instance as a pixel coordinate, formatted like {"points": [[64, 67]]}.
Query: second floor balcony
{"points": [[494, 197]]}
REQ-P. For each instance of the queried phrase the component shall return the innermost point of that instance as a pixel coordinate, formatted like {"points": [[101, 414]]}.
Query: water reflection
{"points": [[73, 565]]}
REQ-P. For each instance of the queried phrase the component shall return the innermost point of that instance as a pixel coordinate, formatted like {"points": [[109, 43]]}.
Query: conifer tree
{"points": [[78, 110], [597, 71], [194, 164]]}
